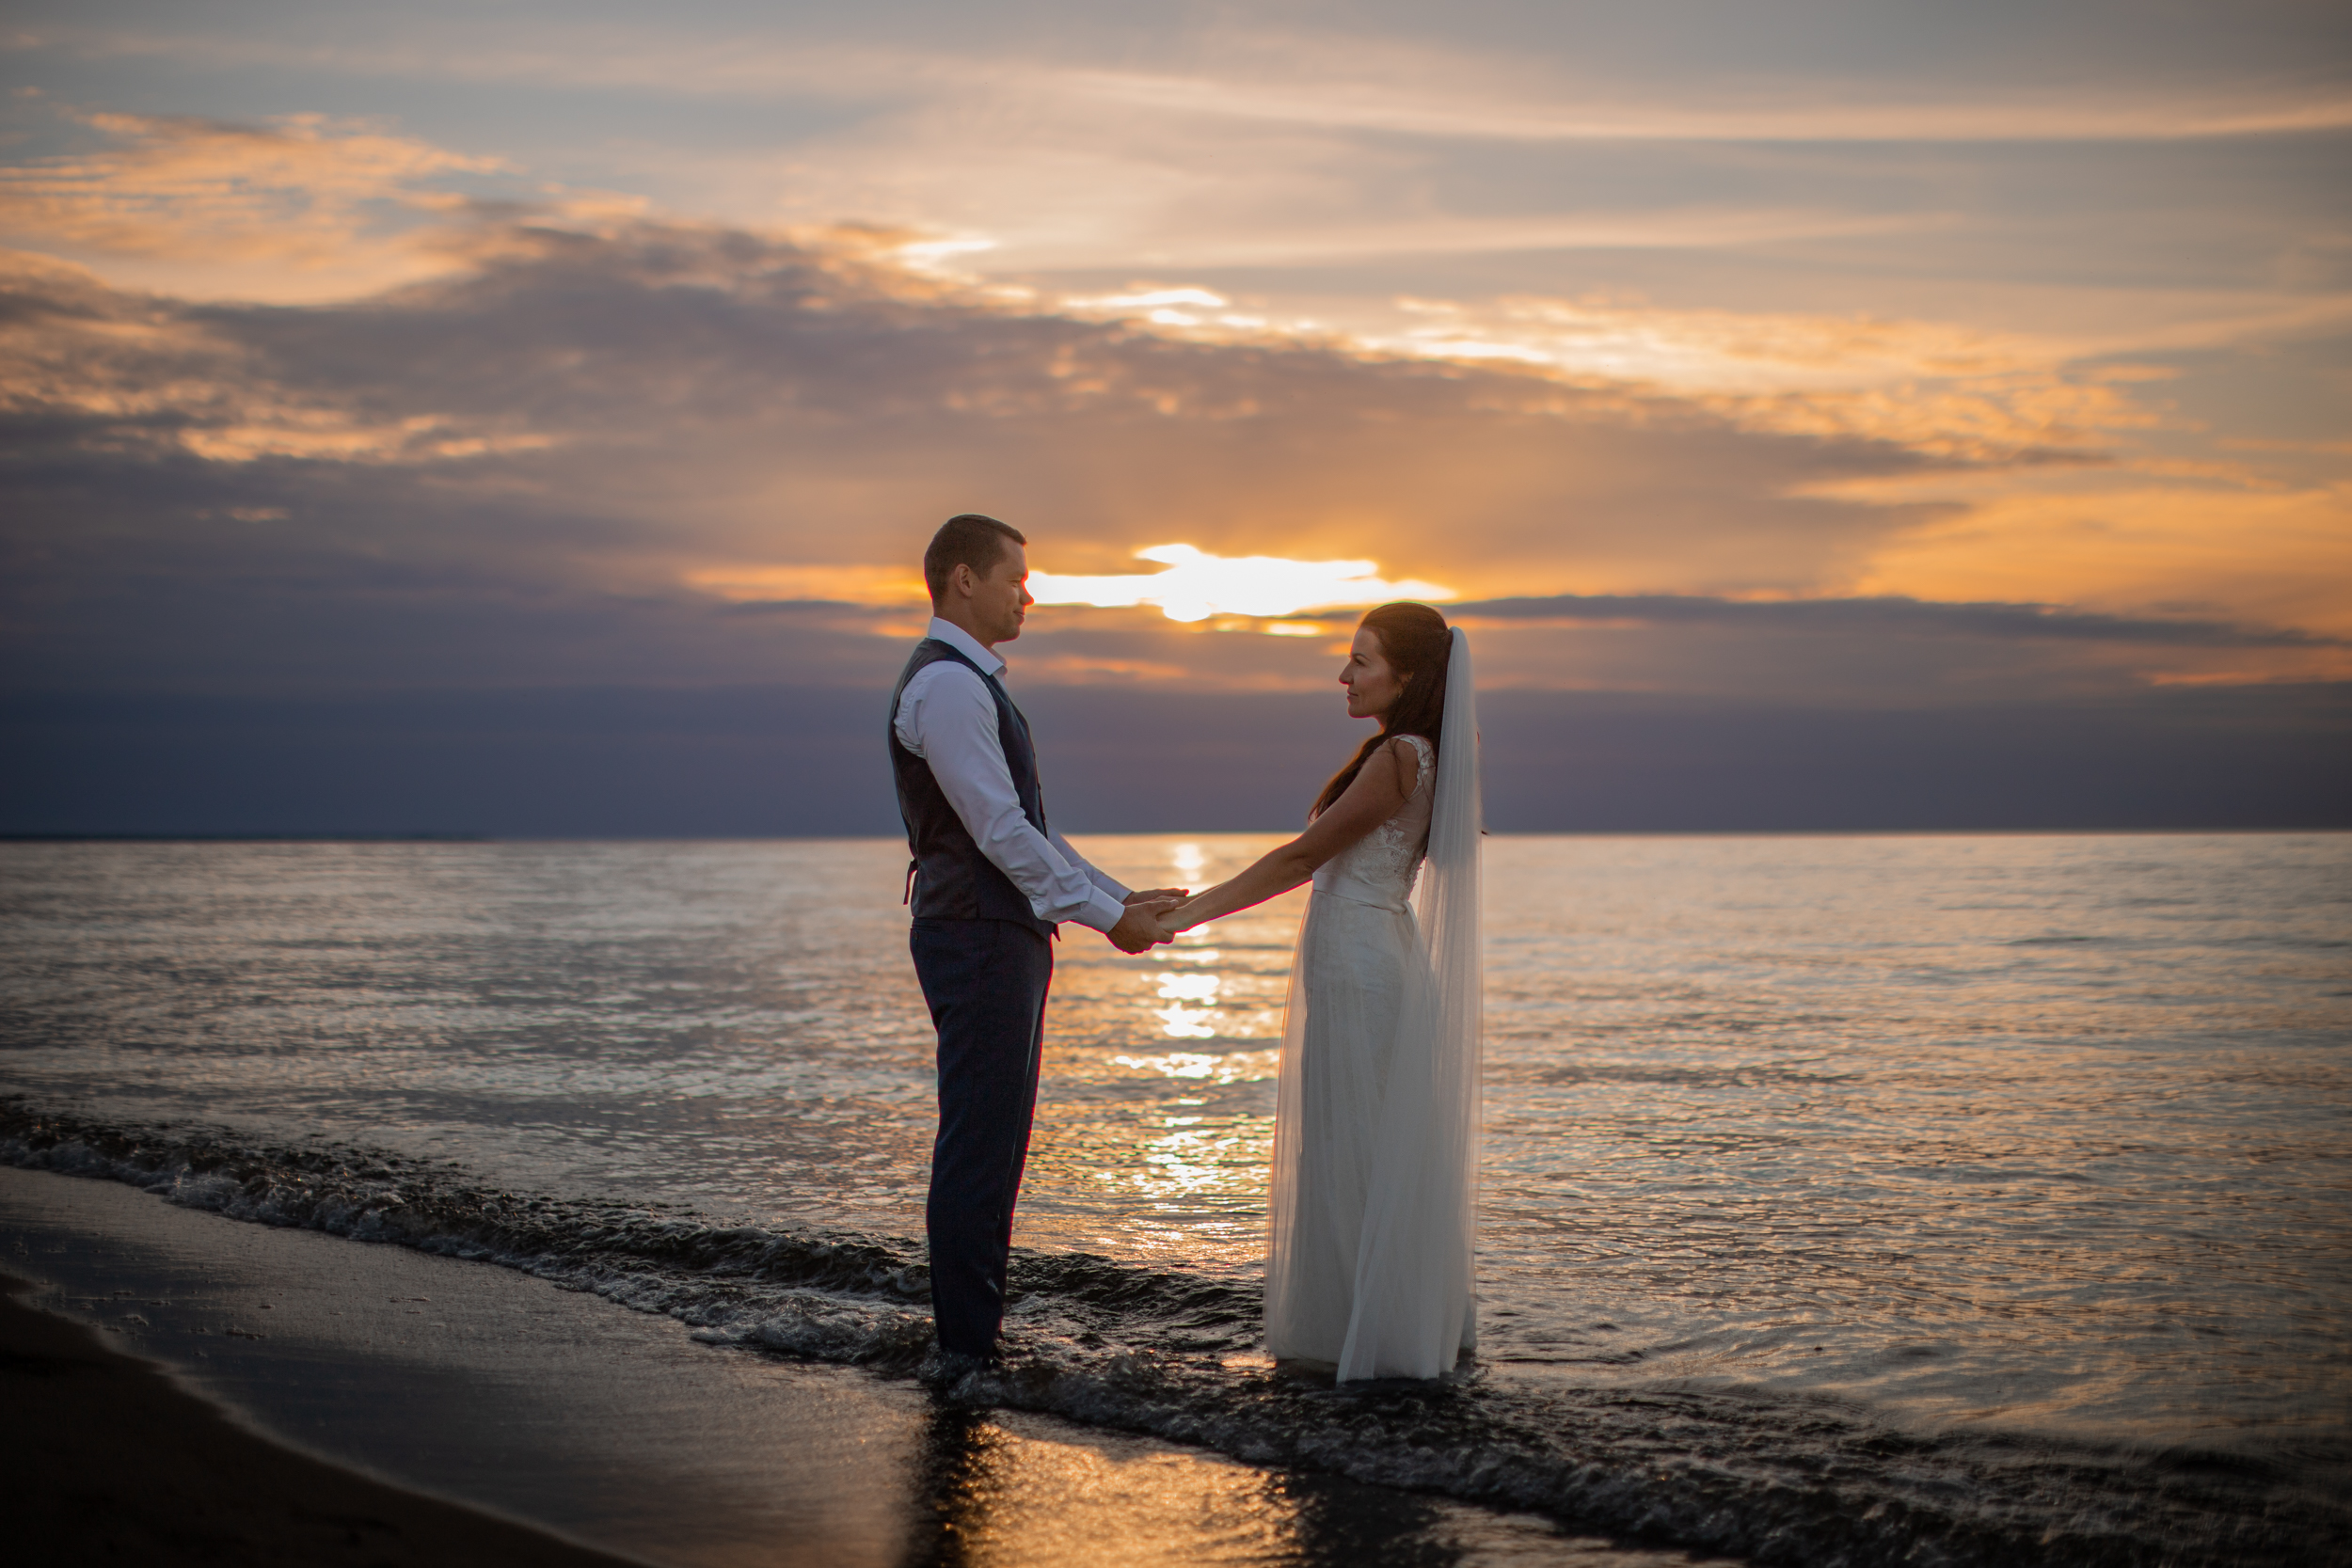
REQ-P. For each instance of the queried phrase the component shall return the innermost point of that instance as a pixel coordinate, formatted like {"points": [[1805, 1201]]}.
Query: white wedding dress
{"points": [[1369, 1266]]}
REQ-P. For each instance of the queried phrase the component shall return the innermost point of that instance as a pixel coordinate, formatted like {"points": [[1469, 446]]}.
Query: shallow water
{"points": [[2027, 1155], [616, 1429]]}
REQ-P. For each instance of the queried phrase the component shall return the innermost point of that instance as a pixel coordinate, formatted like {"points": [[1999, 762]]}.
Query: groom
{"points": [[988, 883]]}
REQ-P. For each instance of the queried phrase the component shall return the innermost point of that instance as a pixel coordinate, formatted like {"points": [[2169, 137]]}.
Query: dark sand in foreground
{"points": [[106, 1458], [518, 1400]]}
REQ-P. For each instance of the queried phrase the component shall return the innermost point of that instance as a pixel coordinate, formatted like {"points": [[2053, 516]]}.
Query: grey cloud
{"points": [[1902, 616], [503, 478], [718, 396]]}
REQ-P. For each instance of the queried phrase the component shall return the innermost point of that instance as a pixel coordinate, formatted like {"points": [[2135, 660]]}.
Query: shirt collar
{"points": [[966, 644]]}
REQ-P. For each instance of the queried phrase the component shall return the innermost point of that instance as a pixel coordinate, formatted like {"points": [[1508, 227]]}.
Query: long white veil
{"points": [[1415, 1308]]}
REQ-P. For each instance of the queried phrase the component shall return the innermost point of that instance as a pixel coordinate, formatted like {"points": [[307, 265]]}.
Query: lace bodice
{"points": [[1379, 867]]}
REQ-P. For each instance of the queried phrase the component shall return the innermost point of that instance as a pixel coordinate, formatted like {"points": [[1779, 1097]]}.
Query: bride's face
{"points": [[1373, 683]]}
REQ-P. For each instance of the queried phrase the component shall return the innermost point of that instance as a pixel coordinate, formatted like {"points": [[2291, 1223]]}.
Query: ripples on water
{"points": [[2006, 1135]]}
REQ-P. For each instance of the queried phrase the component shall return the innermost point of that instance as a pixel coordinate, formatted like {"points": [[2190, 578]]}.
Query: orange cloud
{"points": [[679, 415], [2283, 558], [72, 348], [1195, 585], [1353, 79], [1402, 90], [892, 585], [301, 206]]}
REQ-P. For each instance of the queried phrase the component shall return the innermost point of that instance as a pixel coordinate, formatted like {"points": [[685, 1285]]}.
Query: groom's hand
{"points": [[1139, 929], [1159, 895]]}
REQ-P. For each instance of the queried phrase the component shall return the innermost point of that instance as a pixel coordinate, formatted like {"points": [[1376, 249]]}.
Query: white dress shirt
{"points": [[947, 718]]}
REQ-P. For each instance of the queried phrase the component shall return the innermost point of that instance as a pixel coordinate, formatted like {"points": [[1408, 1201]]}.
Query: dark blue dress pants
{"points": [[986, 983]]}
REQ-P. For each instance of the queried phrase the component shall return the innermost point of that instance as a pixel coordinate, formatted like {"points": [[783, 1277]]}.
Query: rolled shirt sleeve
{"points": [[947, 718]]}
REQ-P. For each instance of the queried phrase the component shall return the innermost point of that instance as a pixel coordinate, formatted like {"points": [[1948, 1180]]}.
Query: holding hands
{"points": [[1171, 919], [1142, 926], [1378, 791]]}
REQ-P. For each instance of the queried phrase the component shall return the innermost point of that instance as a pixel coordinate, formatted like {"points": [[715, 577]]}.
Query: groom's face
{"points": [[1000, 599]]}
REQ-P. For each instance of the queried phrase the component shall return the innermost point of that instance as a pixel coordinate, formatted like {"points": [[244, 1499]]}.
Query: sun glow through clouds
{"points": [[1196, 585]]}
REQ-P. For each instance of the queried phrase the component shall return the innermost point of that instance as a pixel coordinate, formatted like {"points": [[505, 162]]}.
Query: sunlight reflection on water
{"points": [[2044, 1131]]}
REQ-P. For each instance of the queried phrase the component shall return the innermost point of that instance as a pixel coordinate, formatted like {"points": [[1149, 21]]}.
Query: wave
{"points": [[1175, 1352]]}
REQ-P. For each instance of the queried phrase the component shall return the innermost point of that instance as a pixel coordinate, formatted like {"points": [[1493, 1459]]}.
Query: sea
{"points": [[1844, 1198]]}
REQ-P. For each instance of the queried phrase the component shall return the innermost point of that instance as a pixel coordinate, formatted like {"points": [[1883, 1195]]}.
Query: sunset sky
{"points": [[525, 418]]}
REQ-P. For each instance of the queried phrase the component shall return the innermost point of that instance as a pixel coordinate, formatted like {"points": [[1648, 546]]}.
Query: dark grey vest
{"points": [[950, 878]]}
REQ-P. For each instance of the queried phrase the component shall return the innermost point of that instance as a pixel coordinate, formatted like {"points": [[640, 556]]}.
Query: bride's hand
{"points": [[1175, 920]]}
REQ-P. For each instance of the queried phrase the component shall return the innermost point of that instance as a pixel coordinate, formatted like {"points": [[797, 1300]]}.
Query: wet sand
{"points": [[449, 1380], [107, 1458]]}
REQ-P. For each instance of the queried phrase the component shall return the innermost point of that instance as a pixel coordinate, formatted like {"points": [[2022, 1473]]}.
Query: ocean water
{"points": [[1845, 1199]]}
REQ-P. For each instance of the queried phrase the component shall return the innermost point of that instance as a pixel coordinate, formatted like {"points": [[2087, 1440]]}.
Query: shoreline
{"points": [[109, 1456], [623, 1416], [616, 1429]]}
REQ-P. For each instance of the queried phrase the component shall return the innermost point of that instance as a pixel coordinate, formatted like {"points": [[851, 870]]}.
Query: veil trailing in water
{"points": [[1415, 1307]]}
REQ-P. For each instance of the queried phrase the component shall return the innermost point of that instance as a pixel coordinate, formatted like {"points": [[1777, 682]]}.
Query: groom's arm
{"points": [[946, 716], [1096, 874]]}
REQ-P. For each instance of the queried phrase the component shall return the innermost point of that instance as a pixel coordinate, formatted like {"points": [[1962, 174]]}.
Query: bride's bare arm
{"points": [[1383, 785]]}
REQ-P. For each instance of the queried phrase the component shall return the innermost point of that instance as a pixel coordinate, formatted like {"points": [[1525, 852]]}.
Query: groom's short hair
{"points": [[966, 539]]}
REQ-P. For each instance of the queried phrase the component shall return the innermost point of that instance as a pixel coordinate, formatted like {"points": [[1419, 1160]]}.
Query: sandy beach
{"points": [[107, 1457], [292, 1388]]}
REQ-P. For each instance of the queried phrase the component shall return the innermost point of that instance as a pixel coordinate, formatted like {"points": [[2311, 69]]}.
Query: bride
{"points": [[1375, 1134]]}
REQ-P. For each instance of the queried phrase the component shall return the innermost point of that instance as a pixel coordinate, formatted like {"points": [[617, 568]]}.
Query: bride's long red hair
{"points": [[1418, 644]]}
